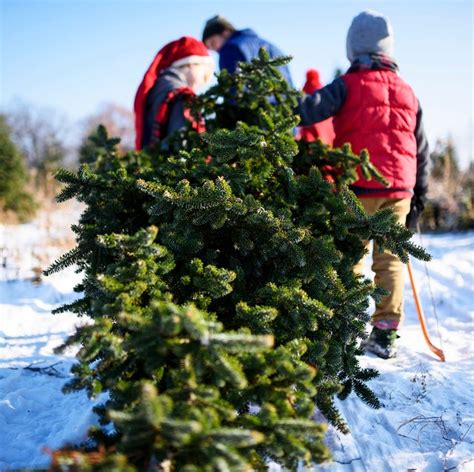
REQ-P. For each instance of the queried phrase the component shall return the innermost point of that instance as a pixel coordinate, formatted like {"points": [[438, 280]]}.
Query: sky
{"points": [[73, 55]]}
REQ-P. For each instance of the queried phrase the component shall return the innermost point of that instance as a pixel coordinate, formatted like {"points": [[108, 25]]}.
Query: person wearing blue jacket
{"points": [[236, 46]]}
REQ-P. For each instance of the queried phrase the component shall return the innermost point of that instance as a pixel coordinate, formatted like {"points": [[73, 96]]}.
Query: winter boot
{"points": [[381, 342]]}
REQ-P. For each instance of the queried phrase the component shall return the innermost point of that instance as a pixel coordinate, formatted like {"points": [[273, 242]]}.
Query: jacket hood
{"points": [[370, 33]]}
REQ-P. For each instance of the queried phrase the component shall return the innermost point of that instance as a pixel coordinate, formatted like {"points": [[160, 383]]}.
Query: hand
{"points": [[417, 205]]}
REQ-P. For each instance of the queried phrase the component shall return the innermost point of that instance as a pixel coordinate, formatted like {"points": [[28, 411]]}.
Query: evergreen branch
{"points": [[329, 410], [354, 204], [80, 307], [67, 193], [237, 437], [367, 374], [365, 394], [67, 177], [66, 260], [239, 342]]}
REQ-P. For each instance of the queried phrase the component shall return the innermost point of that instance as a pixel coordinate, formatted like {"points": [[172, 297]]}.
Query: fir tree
{"points": [[253, 244], [13, 178], [96, 145], [179, 386]]}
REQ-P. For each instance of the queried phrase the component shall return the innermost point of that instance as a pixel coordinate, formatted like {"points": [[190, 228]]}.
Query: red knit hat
{"points": [[183, 51], [313, 82]]}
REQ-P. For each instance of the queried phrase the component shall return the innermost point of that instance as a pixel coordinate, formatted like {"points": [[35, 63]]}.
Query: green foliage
{"points": [[205, 376], [13, 178], [221, 290], [97, 145], [397, 240]]}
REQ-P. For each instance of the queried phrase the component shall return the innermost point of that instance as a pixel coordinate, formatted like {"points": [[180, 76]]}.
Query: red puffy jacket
{"points": [[380, 114], [162, 115]]}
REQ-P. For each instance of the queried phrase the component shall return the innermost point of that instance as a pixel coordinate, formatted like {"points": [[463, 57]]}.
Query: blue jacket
{"points": [[243, 46]]}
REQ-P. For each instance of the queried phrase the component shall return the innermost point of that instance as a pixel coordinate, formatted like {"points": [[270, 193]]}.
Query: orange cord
{"points": [[421, 317]]}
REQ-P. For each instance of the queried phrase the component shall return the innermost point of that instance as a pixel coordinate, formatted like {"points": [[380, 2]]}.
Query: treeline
{"points": [[36, 142], [450, 202]]}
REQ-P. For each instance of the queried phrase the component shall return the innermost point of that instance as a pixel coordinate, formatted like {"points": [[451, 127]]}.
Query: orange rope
{"points": [[421, 317]]}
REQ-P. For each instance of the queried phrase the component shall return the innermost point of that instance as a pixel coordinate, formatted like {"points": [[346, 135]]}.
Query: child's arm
{"points": [[422, 172], [323, 103], [422, 156]]}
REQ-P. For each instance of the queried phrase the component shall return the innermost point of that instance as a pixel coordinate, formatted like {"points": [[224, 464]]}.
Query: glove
{"points": [[417, 205]]}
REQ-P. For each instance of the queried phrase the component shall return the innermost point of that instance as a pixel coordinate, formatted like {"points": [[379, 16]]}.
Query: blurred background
{"points": [[66, 66]]}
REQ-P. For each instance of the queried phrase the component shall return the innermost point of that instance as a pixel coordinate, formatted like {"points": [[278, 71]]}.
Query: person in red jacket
{"points": [[324, 130], [178, 70], [375, 109]]}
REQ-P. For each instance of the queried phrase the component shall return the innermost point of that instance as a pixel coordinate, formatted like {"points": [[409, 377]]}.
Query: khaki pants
{"points": [[389, 270]]}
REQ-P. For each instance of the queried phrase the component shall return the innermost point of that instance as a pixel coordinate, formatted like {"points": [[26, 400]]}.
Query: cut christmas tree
{"points": [[218, 276]]}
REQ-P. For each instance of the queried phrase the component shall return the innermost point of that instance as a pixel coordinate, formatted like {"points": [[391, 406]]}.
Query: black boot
{"points": [[381, 342]]}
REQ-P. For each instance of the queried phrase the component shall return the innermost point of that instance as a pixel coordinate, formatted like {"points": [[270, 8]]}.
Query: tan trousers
{"points": [[389, 270]]}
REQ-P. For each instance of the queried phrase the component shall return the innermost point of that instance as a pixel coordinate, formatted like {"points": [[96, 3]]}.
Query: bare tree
{"points": [[118, 121], [40, 134], [451, 190]]}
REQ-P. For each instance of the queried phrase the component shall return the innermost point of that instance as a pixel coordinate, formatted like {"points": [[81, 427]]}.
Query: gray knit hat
{"points": [[370, 32], [216, 25]]}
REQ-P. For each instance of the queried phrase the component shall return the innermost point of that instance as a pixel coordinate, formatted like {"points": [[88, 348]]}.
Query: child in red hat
{"points": [[178, 70], [324, 130]]}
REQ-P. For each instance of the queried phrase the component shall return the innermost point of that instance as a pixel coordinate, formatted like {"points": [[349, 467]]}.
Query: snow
{"points": [[34, 413], [426, 423]]}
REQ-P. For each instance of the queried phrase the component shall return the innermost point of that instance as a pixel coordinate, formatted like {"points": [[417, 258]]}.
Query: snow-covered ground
{"points": [[426, 423]]}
